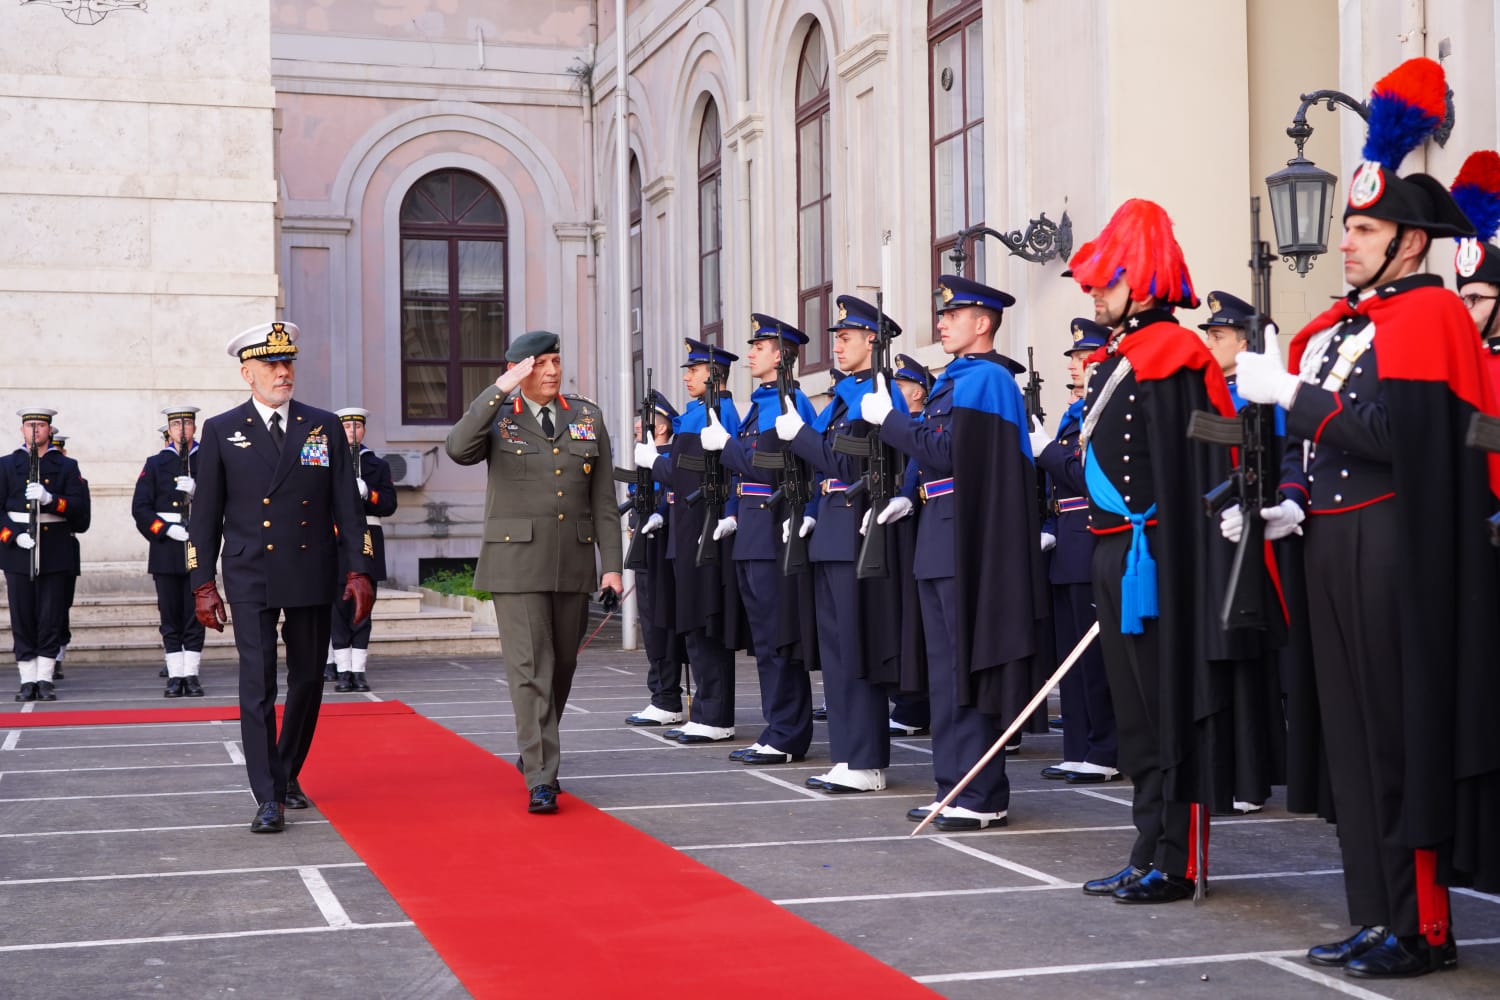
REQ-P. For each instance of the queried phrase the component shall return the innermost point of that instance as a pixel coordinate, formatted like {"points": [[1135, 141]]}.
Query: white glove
{"points": [[808, 524], [653, 525], [512, 377], [726, 527], [1232, 523], [875, 405], [1263, 378], [177, 533], [1283, 519], [36, 491], [186, 484], [713, 435], [25, 541], [364, 489], [1040, 437], [645, 455], [1049, 541], [789, 423], [898, 508]]}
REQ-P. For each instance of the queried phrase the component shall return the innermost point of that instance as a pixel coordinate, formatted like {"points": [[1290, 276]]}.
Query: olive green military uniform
{"points": [[549, 504]]}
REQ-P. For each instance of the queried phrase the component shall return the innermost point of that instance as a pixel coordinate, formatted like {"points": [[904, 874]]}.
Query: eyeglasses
{"points": [[1473, 299]]}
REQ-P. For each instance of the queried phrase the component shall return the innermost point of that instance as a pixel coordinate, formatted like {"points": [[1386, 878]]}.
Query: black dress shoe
{"points": [[820, 714], [1401, 957], [816, 781], [346, 681], [295, 798], [1110, 884], [543, 800], [760, 757], [27, 692], [269, 818], [1055, 773], [1156, 887], [357, 678], [672, 734], [174, 688], [736, 755], [192, 686], [330, 672], [44, 691], [1091, 777], [1353, 946]]}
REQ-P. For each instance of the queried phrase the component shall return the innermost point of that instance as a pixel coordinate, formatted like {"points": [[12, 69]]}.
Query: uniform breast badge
{"points": [[583, 430], [239, 440], [510, 432], [315, 449]]}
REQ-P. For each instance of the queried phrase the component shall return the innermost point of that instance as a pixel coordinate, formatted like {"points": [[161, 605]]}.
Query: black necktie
{"points": [[277, 434], [547, 427]]}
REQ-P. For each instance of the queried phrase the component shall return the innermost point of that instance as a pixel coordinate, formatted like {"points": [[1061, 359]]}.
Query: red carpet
{"points": [[165, 713], [573, 905]]}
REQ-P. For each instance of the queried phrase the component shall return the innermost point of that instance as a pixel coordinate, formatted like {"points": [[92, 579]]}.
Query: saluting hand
{"points": [[515, 375], [790, 421], [876, 404], [713, 435]]}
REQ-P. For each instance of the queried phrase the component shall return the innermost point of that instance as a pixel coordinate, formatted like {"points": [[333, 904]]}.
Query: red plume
{"points": [[1138, 244]]}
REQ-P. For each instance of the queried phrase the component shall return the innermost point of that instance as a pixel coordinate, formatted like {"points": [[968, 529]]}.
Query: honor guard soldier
{"points": [[161, 505], [708, 604], [46, 504], [351, 643], [275, 492], [1156, 569], [656, 595], [60, 443], [1401, 598], [911, 715], [775, 603], [549, 507], [1090, 738], [1476, 261], [859, 621], [977, 564]]}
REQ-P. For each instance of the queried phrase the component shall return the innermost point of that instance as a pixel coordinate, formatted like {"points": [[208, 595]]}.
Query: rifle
{"points": [[643, 500], [796, 478], [882, 463], [1034, 412], [185, 453], [35, 508], [1252, 483], [1484, 434], [715, 491]]}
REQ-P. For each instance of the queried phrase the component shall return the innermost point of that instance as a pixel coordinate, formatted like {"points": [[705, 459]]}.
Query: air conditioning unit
{"points": [[408, 467]]}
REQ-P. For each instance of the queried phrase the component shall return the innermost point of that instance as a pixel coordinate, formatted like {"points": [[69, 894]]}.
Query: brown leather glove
{"points": [[361, 591], [208, 606]]}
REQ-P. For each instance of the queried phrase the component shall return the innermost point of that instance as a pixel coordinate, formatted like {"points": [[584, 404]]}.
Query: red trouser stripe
{"points": [[1432, 899], [1197, 823]]}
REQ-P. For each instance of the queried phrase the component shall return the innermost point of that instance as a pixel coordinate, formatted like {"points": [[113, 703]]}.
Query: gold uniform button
{"points": [[270, 548], [519, 452], [267, 501], [557, 451], [507, 538], [304, 524], [265, 524], [559, 492], [174, 503], [560, 517], [557, 472]]}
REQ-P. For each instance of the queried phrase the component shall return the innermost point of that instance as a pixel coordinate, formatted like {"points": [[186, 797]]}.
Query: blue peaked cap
{"points": [[957, 292], [1088, 335], [857, 314], [1228, 310], [700, 353], [912, 370], [763, 327], [662, 405]]}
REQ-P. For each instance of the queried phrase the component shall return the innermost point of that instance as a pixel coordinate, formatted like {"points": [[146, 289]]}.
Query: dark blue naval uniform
{"points": [[1089, 732], [785, 688], [274, 514], [380, 503], [39, 608], [656, 605], [858, 730], [157, 505], [707, 613]]}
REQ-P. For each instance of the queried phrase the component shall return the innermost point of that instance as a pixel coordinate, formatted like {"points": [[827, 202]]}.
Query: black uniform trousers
{"points": [[346, 635], [859, 733], [38, 612], [713, 675], [67, 622], [1089, 732], [273, 760], [785, 688], [1163, 829], [180, 627], [664, 651], [1353, 596], [960, 734]]}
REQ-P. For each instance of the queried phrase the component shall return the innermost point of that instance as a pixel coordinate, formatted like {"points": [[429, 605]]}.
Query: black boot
{"points": [[346, 681], [27, 692], [44, 691], [193, 686], [357, 678], [330, 672], [174, 688]]}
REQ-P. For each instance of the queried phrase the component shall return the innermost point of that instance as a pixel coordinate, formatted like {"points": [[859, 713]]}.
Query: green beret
{"points": [[529, 345]]}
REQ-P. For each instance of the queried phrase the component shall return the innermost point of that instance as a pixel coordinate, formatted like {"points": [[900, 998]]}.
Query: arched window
{"points": [[454, 324], [956, 86], [710, 229], [814, 200], [637, 283]]}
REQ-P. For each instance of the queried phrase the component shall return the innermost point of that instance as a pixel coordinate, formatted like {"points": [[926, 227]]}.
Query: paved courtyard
{"points": [[126, 869]]}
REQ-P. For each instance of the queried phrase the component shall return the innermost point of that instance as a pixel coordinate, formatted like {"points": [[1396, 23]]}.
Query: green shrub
{"points": [[458, 582]]}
